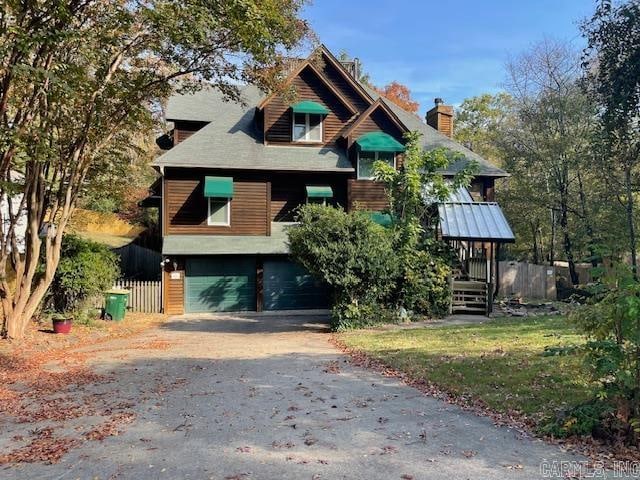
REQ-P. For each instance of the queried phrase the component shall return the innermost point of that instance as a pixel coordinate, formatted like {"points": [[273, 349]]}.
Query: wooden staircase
{"points": [[468, 296]]}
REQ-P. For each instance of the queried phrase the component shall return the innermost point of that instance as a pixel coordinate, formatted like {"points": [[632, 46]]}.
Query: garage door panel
{"points": [[288, 286], [220, 285]]}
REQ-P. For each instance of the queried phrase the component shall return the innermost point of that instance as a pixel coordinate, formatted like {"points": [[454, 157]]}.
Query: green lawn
{"points": [[500, 362]]}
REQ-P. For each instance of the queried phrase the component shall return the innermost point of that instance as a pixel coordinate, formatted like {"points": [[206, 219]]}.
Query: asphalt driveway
{"points": [[269, 398]]}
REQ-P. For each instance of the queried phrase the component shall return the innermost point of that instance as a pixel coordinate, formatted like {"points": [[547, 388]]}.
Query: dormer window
{"points": [[307, 127], [373, 147], [367, 159], [307, 121]]}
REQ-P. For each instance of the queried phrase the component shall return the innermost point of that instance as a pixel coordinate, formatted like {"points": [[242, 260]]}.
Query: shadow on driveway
{"points": [[248, 323]]}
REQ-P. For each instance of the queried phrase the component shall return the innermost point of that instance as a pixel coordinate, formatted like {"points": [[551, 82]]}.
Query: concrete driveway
{"points": [[267, 397]]}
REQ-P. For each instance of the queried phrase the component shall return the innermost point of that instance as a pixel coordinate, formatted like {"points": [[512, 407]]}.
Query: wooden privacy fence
{"points": [[139, 262], [527, 280], [144, 296]]}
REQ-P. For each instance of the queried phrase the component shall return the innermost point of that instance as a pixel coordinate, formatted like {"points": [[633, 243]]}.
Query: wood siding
{"points": [[341, 84], [278, 116], [367, 194], [173, 289], [288, 192], [377, 121], [184, 129], [186, 206], [482, 189]]}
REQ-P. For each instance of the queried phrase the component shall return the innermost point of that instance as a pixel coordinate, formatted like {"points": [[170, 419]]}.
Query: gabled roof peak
{"points": [[296, 72], [378, 104]]}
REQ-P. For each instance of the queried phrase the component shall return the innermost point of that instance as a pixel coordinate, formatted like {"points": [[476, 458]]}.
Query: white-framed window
{"points": [[367, 159], [319, 200], [219, 213], [307, 127]]}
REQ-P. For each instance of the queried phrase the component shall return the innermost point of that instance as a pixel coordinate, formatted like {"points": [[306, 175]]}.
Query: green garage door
{"points": [[288, 286], [220, 285]]}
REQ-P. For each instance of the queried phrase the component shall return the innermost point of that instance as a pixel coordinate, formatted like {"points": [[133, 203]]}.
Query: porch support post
{"points": [[497, 270]]}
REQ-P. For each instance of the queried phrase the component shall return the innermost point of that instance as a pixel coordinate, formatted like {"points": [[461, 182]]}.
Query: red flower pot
{"points": [[62, 325]]}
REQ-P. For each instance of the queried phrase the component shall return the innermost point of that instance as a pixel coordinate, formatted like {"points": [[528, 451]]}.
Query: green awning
{"points": [[218, 187], [319, 192], [307, 106], [379, 142], [380, 218]]}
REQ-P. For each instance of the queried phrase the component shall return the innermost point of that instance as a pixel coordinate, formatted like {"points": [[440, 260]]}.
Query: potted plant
{"points": [[61, 322]]}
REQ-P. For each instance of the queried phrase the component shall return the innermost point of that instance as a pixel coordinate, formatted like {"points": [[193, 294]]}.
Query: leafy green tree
{"points": [[547, 146], [480, 122], [611, 323], [79, 80], [412, 192], [612, 65], [352, 255]]}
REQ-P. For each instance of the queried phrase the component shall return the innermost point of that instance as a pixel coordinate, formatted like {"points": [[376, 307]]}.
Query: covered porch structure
{"points": [[475, 230]]}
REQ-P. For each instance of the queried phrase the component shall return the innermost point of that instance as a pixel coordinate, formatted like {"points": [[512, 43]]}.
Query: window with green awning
{"points": [[379, 142], [309, 106], [319, 192], [218, 187]]}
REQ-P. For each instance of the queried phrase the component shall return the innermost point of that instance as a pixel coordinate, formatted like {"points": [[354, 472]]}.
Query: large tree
{"points": [[612, 64], [548, 145], [481, 120], [80, 78], [400, 95]]}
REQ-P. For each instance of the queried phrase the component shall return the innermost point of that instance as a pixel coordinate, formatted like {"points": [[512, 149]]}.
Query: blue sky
{"points": [[451, 49]]}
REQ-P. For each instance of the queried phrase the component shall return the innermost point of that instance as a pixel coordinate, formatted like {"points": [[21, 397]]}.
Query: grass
{"points": [[500, 362]]}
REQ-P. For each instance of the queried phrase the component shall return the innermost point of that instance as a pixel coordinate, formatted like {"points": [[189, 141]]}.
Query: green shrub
{"points": [[611, 323], [352, 255], [86, 269], [425, 285], [595, 418]]}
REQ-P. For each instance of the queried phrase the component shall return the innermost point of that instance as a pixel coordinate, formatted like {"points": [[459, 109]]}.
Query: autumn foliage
{"points": [[400, 95]]}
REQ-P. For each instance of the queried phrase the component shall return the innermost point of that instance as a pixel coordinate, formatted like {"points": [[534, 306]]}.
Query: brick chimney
{"points": [[440, 117]]}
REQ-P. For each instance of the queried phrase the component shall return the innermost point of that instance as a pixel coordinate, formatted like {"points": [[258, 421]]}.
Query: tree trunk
{"points": [[587, 222], [566, 239], [629, 210], [536, 248], [552, 251]]}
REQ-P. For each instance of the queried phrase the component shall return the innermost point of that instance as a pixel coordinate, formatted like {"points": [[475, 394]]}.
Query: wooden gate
{"points": [[527, 280], [144, 296]]}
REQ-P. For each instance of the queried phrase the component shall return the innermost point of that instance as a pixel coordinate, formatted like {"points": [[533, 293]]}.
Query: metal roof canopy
{"points": [[474, 221]]}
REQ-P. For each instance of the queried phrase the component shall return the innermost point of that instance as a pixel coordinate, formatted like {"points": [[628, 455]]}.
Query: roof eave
{"points": [[254, 168], [479, 239]]}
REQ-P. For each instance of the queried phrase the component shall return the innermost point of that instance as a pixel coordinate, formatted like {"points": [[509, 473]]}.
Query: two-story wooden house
{"points": [[234, 175]]}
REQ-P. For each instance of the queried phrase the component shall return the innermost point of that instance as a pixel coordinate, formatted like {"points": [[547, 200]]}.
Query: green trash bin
{"points": [[115, 304]]}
